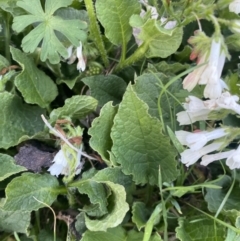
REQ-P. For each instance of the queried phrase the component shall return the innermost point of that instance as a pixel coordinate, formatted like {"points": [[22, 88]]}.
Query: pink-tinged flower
{"points": [[189, 157], [192, 79], [234, 6], [81, 65], [233, 158], [208, 74], [212, 73], [195, 141]]}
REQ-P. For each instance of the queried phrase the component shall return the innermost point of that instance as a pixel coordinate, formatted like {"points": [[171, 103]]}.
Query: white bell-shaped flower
{"points": [[195, 141], [189, 157]]}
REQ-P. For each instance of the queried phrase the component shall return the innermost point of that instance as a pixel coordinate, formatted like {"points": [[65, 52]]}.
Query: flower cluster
{"points": [[216, 99], [77, 54]]}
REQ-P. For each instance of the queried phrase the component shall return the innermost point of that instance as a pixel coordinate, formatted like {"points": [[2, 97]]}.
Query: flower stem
{"points": [[136, 56], [95, 31], [7, 36]]}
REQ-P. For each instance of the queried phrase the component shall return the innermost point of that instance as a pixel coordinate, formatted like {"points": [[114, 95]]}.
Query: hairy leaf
{"points": [[199, 228], [75, 107], [24, 192], [138, 143], [100, 131], [161, 42], [17, 120], [97, 194], [106, 88], [116, 234], [8, 167], [114, 16], [17, 221], [117, 210], [35, 86]]}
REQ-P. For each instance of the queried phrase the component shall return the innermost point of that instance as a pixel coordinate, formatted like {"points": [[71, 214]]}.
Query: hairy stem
{"points": [[95, 31]]}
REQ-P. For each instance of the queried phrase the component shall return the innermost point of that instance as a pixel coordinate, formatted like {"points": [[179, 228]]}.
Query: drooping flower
{"points": [[228, 101], [77, 53], [189, 157], [210, 73], [234, 6], [81, 65], [196, 141], [197, 109], [207, 159], [192, 79], [233, 158], [62, 166]]}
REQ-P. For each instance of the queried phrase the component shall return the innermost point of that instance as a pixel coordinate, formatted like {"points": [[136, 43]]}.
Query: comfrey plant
{"points": [[210, 63], [119, 120]]}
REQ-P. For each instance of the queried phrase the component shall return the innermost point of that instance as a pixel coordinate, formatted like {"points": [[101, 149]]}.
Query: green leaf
{"points": [[138, 143], [46, 24], [17, 120], [4, 63], [140, 214], [116, 175], [106, 88], [116, 234], [169, 69], [96, 192], [35, 86], [161, 42], [154, 82], [17, 221], [117, 208], [22, 191], [233, 82], [75, 107], [46, 236], [100, 131], [133, 235], [11, 7], [114, 16], [183, 56], [69, 82], [80, 223], [214, 197], [200, 228], [8, 167]]}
